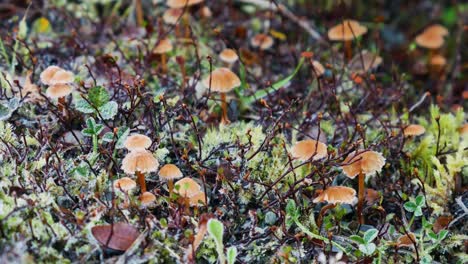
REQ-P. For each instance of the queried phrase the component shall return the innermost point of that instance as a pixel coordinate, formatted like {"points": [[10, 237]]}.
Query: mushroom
{"points": [[432, 38], [222, 80], [164, 46], [437, 64], [413, 130], [169, 173], [137, 142], [147, 198], [364, 62], [31, 91], [124, 184], [362, 163], [334, 195], [463, 130], [347, 31], [198, 198], [262, 41], [172, 17], [181, 4], [140, 162], [58, 80], [309, 149], [187, 188], [229, 57], [319, 70]]}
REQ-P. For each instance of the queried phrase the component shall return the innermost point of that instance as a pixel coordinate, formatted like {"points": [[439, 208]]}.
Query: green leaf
{"points": [[216, 230], [274, 87], [442, 235], [367, 249], [231, 255], [122, 133], [370, 235], [357, 239], [432, 235], [83, 106], [291, 209], [410, 206], [420, 200], [98, 96], [418, 211], [108, 110], [23, 28]]}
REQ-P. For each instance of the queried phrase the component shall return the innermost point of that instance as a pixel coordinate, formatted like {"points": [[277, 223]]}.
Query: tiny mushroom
{"points": [[432, 38], [187, 188], [362, 163], [347, 31], [169, 173], [414, 130], [228, 56], [140, 162], [334, 195], [319, 70], [222, 80], [164, 46], [182, 4], [147, 198], [137, 142], [125, 184], [262, 41], [309, 148], [197, 199], [58, 80], [172, 15], [364, 62]]}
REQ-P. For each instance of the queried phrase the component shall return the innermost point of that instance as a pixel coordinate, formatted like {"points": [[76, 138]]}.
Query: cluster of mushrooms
{"points": [[140, 161]]}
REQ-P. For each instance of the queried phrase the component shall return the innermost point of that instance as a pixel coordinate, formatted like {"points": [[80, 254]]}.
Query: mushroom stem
{"points": [[224, 117], [360, 205], [61, 106], [170, 186], [187, 205], [323, 212], [139, 12], [186, 25], [141, 181], [348, 50], [163, 63]]}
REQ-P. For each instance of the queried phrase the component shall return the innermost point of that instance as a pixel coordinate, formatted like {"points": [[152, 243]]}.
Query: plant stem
{"points": [[323, 212], [95, 143], [163, 63], [319, 237], [139, 12], [224, 117], [348, 50], [141, 181], [360, 197]]}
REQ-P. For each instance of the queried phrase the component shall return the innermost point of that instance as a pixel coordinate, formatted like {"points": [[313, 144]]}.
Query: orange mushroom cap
{"points": [[58, 91], [318, 68], [139, 160], [197, 199], [187, 187], [62, 77], [463, 129], [438, 60], [124, 184], [170, 172], [306, 149], [172, 15], [228, 55], [137, 142], [163, 46], [364, 62], [263, 41], [48, 73], [337, 195], [147, 198], [347, 30], [367, 162], [223, 80], [414, 130], [429, 40], [437, 29], [182, 3]]}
